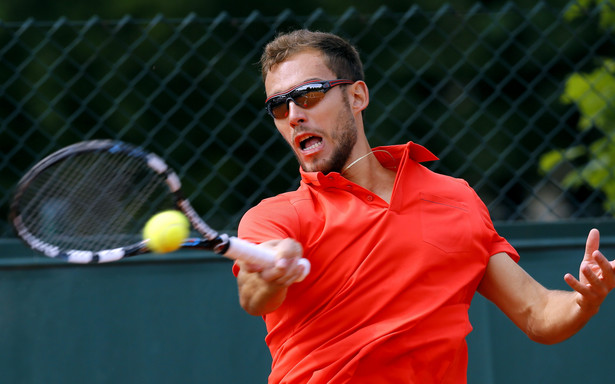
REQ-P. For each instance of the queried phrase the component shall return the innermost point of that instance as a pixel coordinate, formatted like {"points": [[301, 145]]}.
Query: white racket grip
{"points": [[254, 254]]}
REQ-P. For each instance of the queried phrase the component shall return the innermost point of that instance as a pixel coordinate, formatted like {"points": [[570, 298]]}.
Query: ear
{"points": [[359, 96]]}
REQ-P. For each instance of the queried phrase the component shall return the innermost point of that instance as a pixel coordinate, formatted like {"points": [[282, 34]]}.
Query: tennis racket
{"points": [[89, 202]]}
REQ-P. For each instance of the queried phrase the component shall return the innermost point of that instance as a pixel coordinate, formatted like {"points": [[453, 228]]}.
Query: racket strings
{"points": [[112, 205], [93, 201]]}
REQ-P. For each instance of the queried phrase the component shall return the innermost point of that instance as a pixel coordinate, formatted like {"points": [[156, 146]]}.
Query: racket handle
{"points": [[253, 254]]}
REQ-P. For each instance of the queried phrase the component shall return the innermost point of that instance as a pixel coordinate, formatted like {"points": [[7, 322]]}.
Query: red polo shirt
{"points": [[388, 295]]}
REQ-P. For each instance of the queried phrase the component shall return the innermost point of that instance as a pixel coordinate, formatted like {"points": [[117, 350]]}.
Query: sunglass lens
{"points": [[309, 99], [279, 110]]}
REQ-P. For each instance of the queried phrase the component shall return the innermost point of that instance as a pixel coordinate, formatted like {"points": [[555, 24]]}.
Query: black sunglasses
{"points": [[306, 95]]}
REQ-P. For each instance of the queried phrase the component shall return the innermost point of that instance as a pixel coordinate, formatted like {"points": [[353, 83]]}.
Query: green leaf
{"points": [[594, 95], [550, 160]]}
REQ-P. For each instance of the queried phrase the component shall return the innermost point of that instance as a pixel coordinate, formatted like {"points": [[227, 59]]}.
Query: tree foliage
{"points": [[593, 94]]}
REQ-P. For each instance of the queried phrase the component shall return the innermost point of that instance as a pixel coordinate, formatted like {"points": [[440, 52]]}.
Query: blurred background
{"points": [[515, 97]]}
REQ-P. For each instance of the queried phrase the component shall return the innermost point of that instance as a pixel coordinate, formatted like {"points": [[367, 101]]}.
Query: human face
{"points": [[324, 136]]}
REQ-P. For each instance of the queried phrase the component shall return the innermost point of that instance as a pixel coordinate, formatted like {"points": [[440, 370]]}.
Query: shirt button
{"points": [[370, 198]]}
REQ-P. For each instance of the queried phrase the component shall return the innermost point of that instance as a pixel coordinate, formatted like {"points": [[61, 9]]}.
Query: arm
{"points": [[550, 316], [263, 290]]}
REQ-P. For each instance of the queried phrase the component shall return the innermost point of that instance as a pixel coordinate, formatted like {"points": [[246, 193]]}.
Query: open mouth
{"points": [[310, 142]]}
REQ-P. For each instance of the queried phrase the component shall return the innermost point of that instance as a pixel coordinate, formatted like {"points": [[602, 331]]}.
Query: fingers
{"points": [[576, 285], [589, 295], [598, 271], [596, 280], [593, 242], [606, 273], [286, 270], [252, 268]]}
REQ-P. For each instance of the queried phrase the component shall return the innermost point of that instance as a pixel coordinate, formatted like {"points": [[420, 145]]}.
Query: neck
{"points": [[367, 172], [356, 161]]}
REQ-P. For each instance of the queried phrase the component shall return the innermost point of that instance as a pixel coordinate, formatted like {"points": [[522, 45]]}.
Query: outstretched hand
{"points": [[596, 275]]}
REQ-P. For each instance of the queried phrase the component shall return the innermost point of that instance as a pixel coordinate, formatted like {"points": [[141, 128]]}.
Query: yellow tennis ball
{"points": [[165, 231]]}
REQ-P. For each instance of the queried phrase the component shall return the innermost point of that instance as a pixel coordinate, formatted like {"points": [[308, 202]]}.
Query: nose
{"points": [[296, 114]]}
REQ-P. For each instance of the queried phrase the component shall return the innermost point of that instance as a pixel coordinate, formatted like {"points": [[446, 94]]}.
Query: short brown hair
{"points": [[341, 57]]}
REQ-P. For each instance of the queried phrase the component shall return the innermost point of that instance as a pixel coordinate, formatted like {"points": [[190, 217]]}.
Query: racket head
{"points": [[88, 202]]}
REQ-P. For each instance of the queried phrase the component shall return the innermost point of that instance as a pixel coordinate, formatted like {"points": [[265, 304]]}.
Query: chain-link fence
{"points": [[482, 88]]}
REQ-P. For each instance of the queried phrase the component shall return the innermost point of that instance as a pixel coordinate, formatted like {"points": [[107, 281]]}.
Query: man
{"points": [[397, 251]]}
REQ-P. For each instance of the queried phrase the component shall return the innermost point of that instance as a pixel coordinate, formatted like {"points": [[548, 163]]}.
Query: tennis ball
{"points": [[165, 231]]}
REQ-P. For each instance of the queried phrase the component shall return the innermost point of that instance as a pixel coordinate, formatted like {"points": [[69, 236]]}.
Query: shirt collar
{"points": [[389, 156]]}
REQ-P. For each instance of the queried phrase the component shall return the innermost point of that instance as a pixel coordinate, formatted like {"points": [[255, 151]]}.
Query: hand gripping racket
{"points": [[88, 203]]}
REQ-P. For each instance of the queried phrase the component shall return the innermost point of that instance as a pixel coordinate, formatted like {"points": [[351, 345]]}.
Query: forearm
{"points": [[546, 316], [560, 318], [258, 297]]}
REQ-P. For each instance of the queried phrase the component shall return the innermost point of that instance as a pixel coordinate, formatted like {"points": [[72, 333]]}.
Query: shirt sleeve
{"points": [[271, 219], [494, 243]]}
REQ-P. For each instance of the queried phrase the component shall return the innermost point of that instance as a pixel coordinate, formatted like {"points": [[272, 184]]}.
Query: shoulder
{"points": [[440, 183], [276, 217], [284, 203], [451, 191]]}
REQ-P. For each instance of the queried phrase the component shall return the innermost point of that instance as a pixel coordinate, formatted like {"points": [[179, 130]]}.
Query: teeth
{"points": [[317, 144], [310, 143]]}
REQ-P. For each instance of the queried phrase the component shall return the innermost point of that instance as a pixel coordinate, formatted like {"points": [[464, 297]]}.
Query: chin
{"points": [[315, 167]]}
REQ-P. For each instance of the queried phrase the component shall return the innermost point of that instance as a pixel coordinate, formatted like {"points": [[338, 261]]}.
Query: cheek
{"points": [[285, 132]]}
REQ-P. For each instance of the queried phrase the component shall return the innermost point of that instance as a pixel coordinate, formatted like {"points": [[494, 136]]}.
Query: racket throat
{"points": [[221, 244]]}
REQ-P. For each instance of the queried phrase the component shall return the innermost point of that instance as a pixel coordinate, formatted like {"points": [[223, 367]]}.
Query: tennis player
{"points": [[397, 251]]}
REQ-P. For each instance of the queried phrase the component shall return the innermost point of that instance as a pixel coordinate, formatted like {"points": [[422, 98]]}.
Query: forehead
{"points": [[296, 69]]}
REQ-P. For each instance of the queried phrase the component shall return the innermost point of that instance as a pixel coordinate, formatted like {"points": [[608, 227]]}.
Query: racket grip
{"points": [[254, 254]]}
